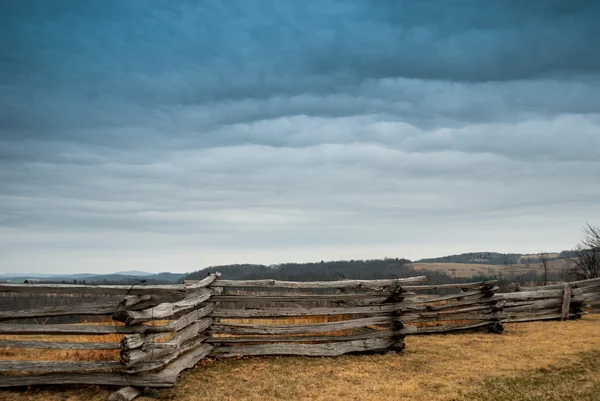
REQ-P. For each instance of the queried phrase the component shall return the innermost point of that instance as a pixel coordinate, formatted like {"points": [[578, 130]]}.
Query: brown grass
{"points": [[434, 367]]}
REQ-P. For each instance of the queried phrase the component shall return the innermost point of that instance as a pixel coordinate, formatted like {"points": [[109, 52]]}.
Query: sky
{"points": [[171, 136]]}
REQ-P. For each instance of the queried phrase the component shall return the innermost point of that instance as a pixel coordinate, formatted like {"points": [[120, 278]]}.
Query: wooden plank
{"points": [[68, 310], [294, 298], [103, 378], [566, 303], [203, 324], [183, 321], [194, 285], [327, 349], [164, 310], [454, 327], [479, 284], [312, 339], [58, 345], [299, 311], [550, 316], [125, 394], [230, 328], [531, 295], [69, 329], [413, 318], [468, 295], [320, 284], [56, 366]]}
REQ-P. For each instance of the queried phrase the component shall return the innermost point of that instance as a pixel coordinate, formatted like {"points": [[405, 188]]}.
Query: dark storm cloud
{"points": [[136, 130]]}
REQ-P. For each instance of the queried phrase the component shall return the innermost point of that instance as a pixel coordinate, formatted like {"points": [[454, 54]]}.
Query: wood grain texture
{"points": [[56, 366], [327, 349], [320, 284], [164, 310], [229, 328], [58, 345], [300, 311]]}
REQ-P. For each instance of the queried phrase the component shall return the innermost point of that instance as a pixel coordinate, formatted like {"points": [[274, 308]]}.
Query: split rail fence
{"points": [[551, 302], [162, 330]]}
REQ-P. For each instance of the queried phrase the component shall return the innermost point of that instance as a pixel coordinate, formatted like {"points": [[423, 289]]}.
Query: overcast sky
{"points": [[170, 136]]}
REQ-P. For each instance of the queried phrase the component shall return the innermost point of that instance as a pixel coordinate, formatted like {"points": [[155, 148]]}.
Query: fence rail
{"points": [[159, 331]]}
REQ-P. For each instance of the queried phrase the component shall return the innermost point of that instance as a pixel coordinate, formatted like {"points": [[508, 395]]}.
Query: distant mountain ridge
{"points": [[91, 278]]}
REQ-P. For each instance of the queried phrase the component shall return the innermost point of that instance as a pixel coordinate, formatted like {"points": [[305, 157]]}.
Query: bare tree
{"points": [[586, 263], [543, 257]]}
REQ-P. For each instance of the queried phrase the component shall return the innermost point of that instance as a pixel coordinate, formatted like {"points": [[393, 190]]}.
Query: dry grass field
{"points": [[530, 361], [469, 270]]}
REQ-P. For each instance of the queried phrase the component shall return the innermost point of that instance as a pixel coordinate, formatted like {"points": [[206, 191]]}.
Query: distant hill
{"points": [[90, 278]]}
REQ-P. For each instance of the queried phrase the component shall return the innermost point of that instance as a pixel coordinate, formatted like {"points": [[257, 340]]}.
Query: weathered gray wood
{"points": [[299, 311], [279, 339], [412, 318], [57, 345], [455, 304], [131, 303], [166, 358], [551, 316], [532, 295], [203, 324], [56, 366], [100, 378], [299, 297], [69, 329], [327, 349], [156, 350], [193, 285], [450, 328], [132, 341], [320, 284], [81, 309], [566, 303], [184, 320], [125, 394], [229, 328], [533, 306], [164, 310], [479, 284], [468, 295]]}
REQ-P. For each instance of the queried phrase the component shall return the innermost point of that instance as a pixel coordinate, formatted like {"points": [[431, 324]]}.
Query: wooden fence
{"points": [[557, 301], [157, 340], [268, 317], [475, 305], [162, 330]]}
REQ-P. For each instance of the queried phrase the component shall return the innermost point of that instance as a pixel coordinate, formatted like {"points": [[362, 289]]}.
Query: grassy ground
{"points": [[530, 361]]}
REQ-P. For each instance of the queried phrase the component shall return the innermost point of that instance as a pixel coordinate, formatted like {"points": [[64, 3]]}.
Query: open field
{"points": [[469, 270], [540, 360]]}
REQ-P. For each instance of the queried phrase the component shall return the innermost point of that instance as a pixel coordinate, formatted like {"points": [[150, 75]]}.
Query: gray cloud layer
{"points": [[169, 137]]}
